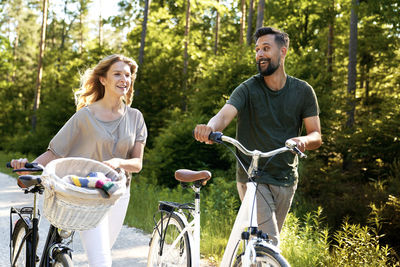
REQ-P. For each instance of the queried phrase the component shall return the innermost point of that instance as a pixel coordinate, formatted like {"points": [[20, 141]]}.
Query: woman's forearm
{"points": [[46, 157]]}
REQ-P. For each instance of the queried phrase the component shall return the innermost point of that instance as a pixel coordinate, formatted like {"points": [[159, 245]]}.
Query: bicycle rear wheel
{"points": [[166, 247], [265, 257]]}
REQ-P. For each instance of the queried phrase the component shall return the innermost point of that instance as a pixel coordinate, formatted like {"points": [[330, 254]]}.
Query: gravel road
{"points": [[130, 248]]}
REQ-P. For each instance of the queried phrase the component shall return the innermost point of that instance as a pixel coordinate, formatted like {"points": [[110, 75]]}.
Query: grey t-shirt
{"points": [[266, 119], [83, 135]]}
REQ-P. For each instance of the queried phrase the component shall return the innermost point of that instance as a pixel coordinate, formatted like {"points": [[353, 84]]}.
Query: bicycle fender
{"points": [[58, 248], [190, 235], [270, 246]]}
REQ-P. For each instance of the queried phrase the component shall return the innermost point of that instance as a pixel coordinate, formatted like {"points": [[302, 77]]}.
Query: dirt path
{"points": [[130, 248]]}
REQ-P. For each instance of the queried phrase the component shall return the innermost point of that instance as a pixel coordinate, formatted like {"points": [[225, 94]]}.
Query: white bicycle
{"points": [[176, 237]]}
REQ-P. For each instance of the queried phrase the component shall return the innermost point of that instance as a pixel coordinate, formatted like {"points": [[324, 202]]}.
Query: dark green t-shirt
{"points": [[266, 119]]}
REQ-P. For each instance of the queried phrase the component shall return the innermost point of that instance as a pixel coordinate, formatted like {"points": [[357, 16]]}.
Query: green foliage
{"points": [[354, 169], [219, 207], [175, 148], [305, 242], [144, 203], [359, 246]]}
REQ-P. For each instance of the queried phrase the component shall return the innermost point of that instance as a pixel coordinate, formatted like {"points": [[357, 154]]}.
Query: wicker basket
{"points": [[70, 207]]}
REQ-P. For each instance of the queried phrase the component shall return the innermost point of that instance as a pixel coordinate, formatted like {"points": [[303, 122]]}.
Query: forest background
{"points": [[191, 55]]}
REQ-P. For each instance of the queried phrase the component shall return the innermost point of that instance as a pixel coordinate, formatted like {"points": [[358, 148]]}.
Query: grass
{"points": [[304, 241]]}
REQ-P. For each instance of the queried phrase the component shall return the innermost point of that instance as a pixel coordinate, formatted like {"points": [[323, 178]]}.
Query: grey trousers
{"points": [[273, 204]]}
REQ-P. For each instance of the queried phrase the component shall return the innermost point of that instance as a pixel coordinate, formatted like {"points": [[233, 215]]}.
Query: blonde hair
{"points": [[91, 88]]}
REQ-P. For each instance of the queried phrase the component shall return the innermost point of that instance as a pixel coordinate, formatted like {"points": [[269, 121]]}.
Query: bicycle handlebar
{"points": [[29, 167], [290, 145]]}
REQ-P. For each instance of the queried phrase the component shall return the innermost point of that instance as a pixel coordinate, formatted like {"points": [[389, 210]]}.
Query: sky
{"points": [[108, 8]]}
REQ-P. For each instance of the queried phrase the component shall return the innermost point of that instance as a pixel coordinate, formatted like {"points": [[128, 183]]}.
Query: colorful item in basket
{"points": [[95, 180]]}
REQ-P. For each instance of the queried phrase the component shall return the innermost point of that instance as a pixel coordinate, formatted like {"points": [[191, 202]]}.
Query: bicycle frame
{"points": [[247, 215]]}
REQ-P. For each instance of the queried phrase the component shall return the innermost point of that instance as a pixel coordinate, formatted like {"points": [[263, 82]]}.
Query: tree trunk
{"points": [[250, 23], [242, 21], [351, 81], [186, 55], [40, 67], [330, 43], [83, 11], [352, 67], [144, 30], [80, 27], [260, 14], [100, 27], [64, 26], [366, 85], [15, 47], [216, 40]]}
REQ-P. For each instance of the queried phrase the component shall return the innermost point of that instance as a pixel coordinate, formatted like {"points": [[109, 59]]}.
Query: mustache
{"points": [[263, 60]]}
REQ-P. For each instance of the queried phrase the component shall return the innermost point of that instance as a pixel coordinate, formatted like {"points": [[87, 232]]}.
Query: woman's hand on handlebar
{"points": [[201, 133], [19, 164]]}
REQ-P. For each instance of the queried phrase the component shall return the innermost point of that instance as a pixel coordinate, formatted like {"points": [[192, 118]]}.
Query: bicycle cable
{"points": [[253, 181]]}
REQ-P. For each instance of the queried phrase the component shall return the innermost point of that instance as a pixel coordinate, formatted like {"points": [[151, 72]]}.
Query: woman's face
{"points": [[118, 79]]}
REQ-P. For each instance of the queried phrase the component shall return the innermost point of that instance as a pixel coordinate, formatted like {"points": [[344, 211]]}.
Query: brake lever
{"points": [[292, 145]]}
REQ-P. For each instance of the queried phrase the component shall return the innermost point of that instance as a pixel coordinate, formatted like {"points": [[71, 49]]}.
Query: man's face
{"points": [[268, 55]]}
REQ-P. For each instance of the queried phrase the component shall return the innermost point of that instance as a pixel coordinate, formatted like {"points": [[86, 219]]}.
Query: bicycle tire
{"points": [[20, 245], [63, 259], [177, 256], [265, 257]]}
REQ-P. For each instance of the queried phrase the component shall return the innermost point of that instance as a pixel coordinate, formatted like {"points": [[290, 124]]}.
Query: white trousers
{"points": [[98, 241]]}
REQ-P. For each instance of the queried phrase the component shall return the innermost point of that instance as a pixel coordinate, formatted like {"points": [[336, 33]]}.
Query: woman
{"points": [[105, 129]]}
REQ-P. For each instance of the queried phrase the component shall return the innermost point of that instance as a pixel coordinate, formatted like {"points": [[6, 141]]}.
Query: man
{"points": [[271, 108]]}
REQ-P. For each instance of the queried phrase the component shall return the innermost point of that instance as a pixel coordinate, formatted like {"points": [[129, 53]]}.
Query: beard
{"points": [[270, 69]]}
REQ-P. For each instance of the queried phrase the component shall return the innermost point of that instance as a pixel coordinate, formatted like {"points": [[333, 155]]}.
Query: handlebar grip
{"points": [[28, 165], [215, 137]]}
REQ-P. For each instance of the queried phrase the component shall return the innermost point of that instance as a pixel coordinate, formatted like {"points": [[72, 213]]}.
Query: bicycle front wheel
{"points": [[167, 246], [265, 257], [63, 259]]}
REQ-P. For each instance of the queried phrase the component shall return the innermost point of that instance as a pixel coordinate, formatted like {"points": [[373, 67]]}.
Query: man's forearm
{"points": [[217, 124], [314, 140]]}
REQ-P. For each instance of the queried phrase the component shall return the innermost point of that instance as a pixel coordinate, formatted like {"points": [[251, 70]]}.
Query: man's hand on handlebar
{"points": [[301, 142], [291, 144], [201, 133]]}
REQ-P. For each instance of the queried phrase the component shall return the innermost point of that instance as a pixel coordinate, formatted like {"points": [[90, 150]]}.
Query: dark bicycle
{"points": [[24, 229]]}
